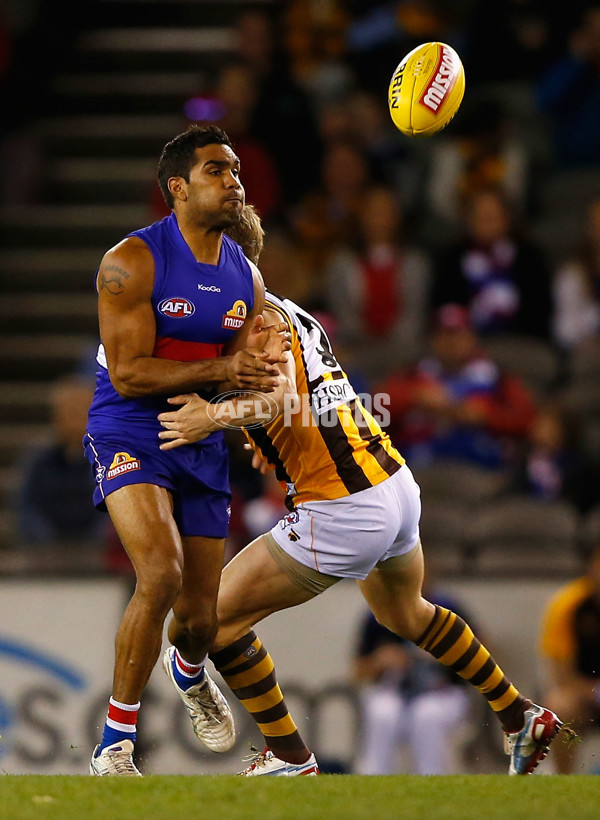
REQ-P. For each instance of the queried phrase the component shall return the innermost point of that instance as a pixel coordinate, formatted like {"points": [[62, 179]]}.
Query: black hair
{"points": [[177, 157]]}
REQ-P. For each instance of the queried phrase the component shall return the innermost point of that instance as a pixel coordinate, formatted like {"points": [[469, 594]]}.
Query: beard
{"points": [[226, 220], [220, 220]]}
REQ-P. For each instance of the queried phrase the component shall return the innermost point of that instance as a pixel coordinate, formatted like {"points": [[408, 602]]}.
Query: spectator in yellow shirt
{"points": [[570, 649]]}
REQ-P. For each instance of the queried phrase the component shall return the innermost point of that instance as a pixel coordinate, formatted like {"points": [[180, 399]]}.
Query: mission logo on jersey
{"points": [[234, 318]]}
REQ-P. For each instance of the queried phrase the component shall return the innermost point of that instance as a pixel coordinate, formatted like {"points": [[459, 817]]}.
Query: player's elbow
{"points": [[125, 383]]}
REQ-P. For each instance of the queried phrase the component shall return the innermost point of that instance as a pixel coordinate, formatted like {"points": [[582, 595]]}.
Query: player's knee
{"points": [[228, 632], [160, 584], [199, 627], [408, 619], [400, 622]]}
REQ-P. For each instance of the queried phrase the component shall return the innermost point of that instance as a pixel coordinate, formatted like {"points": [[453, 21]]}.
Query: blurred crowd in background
{"points": [[459, 275]]}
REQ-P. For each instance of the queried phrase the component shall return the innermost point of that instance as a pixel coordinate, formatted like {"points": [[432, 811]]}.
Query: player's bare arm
{"points": [[197, 418], [128, 331]]}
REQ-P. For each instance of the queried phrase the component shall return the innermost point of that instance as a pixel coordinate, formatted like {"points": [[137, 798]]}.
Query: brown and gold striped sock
{"points": [[247, 668], [451, 641]]}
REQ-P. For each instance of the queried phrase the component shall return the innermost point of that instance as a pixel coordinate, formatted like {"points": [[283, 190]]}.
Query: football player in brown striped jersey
{"points": [[354, 511]]}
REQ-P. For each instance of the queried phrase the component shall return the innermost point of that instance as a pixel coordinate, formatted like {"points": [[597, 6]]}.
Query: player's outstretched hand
{"points": [[272, 339], [192, 422], [252, 370]]}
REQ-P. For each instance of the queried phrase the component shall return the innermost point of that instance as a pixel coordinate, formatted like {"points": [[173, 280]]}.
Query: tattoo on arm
{"points": [[113, 279]]}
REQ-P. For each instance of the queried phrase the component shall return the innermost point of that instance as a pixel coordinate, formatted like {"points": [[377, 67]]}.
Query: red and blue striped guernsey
{"points": [[198, 307]]}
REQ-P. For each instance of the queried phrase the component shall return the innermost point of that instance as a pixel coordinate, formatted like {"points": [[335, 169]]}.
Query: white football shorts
{"points": [[349, 536]]}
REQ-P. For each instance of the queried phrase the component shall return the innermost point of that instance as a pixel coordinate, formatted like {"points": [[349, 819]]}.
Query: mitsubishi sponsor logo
{"points": [[443, 82], [177, 308]]}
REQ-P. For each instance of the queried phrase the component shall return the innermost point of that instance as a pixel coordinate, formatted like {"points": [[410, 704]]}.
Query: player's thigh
{"points": [[393, 592], [253, 586], [143, 518]]}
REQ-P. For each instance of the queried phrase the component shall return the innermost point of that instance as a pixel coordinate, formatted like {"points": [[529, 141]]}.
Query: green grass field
{"points": [[329, 797]]}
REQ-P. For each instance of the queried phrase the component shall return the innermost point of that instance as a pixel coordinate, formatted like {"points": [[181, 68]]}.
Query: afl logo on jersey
{"points": [[234, 318], [177, 308]]}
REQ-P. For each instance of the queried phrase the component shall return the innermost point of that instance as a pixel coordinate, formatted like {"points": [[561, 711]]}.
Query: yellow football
{"points": [[426, 89]]}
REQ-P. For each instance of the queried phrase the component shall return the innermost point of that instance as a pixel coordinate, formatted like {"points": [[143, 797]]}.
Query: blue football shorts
{"points": [[197, 475]]}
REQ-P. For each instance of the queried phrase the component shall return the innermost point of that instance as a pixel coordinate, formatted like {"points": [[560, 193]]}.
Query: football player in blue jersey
{"points": [[177, 301]]}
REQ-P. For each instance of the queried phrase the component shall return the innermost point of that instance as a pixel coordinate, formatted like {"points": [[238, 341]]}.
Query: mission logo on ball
{"points": [[426, 89]]}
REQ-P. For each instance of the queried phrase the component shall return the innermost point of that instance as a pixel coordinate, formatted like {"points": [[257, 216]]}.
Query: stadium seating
{"points": [[443, 535], [589, 532], [452, 492], [585, 360], [459, 481], [537, 362], [114, 105], [115, 102], [517, 535]]}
